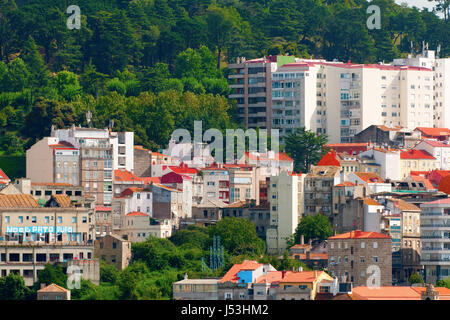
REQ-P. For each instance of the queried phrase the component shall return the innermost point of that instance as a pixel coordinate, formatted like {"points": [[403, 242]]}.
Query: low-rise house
{"points": [[413, 159], [353, 257], [103, 221], [196, 289], [53, 292], [113, 250], [138, 226], [439, 150]]}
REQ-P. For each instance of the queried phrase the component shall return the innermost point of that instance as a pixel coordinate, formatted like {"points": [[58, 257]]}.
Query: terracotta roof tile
{"points": [[369, 177], [416, 154], [231, 275], [302, 276], [434, 132], [62, 199], [137, 214], [53, 288], [330, 159], [358, 234], [18, 201], [371, 202]]}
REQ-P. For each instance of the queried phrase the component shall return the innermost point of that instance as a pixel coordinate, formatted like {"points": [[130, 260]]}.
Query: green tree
{"points": [[306, 148], [51, 274], [238, 236], [12, 287], [415, 278], [443, 283], [313, 227], [108, 273]]}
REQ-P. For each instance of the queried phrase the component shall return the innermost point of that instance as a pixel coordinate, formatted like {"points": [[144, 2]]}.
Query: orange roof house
{"points": [[232, 274], [444, 185], [416, 154], [358, 234], [330, 159]]}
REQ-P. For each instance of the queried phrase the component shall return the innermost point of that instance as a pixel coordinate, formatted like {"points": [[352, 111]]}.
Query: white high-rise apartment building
{"points": [[441, 81], [341, 99]]}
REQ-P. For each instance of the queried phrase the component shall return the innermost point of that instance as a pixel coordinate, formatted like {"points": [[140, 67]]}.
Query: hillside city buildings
{"points": [[383, 185]]}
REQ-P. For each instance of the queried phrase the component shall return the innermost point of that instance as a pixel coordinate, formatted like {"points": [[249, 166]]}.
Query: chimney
{"points": [[302, 239], [308, 255], [43, 285], [315, 273], [283, 273]]}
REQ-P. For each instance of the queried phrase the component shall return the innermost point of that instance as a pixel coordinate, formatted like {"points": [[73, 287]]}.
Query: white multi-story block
{"points": [[435, 85], [286, 202]]}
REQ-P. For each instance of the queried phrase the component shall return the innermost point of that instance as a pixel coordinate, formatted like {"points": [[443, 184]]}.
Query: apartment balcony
{"points": [[236, 85], [257, 115], [236, 95], [257, 94], [236, 76], [437, 227], [435, 250]]}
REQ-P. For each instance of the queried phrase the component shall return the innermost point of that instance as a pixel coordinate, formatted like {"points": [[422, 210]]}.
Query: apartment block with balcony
{"points": [[435, 236], [32, 236]]}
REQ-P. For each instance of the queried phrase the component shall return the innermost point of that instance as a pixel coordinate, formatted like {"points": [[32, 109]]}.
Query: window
{"points": [[20, 219], [84, 219], [363, 245], [375, 245], [33, 219], [375, 259], [6, 219], [74, 219]]}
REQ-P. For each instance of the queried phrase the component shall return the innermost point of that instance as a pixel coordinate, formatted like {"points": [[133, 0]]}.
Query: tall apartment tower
{"points": [[441, 80], [250, 82], [286, 207]]}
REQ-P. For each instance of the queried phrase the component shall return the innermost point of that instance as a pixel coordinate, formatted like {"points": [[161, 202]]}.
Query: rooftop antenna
{"points": [[89, 118]]}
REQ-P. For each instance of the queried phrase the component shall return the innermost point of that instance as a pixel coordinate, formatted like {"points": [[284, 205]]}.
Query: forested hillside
{"points": [[156, 65]]}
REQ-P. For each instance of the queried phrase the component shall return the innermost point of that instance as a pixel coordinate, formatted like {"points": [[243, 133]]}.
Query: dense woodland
{"points": [[156, 65]]}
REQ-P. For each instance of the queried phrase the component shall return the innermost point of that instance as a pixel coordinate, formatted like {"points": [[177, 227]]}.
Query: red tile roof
{"points": [[302, 276], [330, 159], [3, 175], [101, 208], [137, 214], [265, 157], [125, 175], [438, 144], [270, 277], [425, 181], [369, 177], [441, 201], [231, 275], [358, 234], [395, 293], [416, 154], [148, 180], [183, 169], [345, 184], [434, 132], [371, 202]]}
